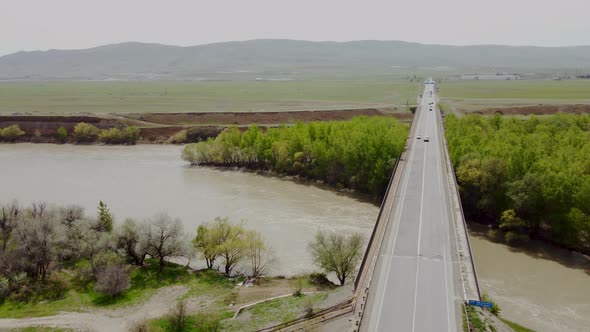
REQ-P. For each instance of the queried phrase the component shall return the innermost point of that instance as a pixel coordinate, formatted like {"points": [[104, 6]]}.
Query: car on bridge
{"points": [[426, 139]]}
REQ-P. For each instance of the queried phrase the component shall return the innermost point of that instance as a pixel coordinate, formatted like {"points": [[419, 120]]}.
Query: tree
{"points": [[131, 134], [132, 241], [97, 247], [359, 153], [105, 218], [113, 280], [85, 132], [164, 238], [11, 133], [61, 134], [257, 253], [9, 215], [110, 136], [37, 242], [231, 243], [337, 253], [207, 243]]}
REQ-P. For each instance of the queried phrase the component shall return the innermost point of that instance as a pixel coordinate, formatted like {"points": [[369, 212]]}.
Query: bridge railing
{"points": [[446, 150], [360, 275]]}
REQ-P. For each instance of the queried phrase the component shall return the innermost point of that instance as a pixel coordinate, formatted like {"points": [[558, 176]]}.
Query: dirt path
{"points": [[106, 319]]}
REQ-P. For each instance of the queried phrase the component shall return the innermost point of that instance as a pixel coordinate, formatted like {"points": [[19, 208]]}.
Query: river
{"points": [[140, 181], [545, 288]]}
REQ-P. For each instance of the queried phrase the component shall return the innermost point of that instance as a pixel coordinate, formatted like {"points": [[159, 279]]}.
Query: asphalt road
{"points": [[416, 281]]}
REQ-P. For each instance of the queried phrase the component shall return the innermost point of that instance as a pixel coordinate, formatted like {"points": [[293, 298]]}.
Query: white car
{"points": [[426, 139], [418, 137]]}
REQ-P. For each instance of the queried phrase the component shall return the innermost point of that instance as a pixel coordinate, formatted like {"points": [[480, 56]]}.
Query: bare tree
{"points": [[257, 253], [38, 210], [112, 280], [97, 247], [178, 316], [70, 214], [37, 241], [164, 238], [132, 241], [9, 215], [337, 253]]}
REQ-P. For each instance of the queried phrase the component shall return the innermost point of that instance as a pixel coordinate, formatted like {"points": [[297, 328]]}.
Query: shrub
{"points": [[177, 317], [298, 287], [194, 135], [112, 280], [131, 134], [319, 278], [4, 288], [179, 137], [85, 132], [55, 287], [495, 308], [140, 327], [307, 306], [110, 136], [11, 133], [128, 135], [61, 134]]}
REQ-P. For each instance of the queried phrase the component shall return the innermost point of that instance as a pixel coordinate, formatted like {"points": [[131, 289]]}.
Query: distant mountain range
{"points": [[265, 56]]}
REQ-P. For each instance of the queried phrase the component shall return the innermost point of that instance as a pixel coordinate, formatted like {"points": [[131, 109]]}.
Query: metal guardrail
{"points": [[336, 307], [360, 276], [462, 215]]}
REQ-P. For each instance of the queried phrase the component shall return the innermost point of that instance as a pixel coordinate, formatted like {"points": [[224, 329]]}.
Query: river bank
{"points": [[538, 285]]}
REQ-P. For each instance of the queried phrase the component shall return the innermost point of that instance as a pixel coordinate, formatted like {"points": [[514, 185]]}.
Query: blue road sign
{"points": [[482, 304]]}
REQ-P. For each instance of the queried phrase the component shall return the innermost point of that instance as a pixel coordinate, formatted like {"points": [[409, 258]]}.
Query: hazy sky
{"points": [[67, 24]]}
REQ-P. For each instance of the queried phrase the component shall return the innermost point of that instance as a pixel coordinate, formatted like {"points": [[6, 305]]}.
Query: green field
{"points": [[523, 89], [209, 96], [466, 96]]}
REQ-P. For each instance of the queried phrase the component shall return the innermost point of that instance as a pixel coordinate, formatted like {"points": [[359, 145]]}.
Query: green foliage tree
{"points": [[359, 153], [206, 242], [527, 177], [11, 133], [127, 135], [231, 247], [105, 218], [337, 253], [61, 134], [85, 133]]}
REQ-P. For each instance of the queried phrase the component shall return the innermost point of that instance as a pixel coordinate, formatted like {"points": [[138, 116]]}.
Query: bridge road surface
{"points": [[416, 283]]}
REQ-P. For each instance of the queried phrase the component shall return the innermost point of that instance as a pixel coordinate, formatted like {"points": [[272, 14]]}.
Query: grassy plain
{"points": [[475, 95], [204, 96]]}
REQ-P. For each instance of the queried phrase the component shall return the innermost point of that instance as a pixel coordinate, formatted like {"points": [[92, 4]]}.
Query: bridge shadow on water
{"points": [[536, 249]]}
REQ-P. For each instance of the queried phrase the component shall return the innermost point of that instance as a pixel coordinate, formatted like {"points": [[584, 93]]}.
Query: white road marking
{"points": [[420, 230], [409, 161]]}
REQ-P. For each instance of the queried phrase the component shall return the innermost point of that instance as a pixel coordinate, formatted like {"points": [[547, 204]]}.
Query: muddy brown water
{"points": [[140, 181], [544, 288], [541, 287]]}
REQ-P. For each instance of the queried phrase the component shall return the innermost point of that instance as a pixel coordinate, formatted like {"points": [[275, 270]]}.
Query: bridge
{"points": [[418, 269]]}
